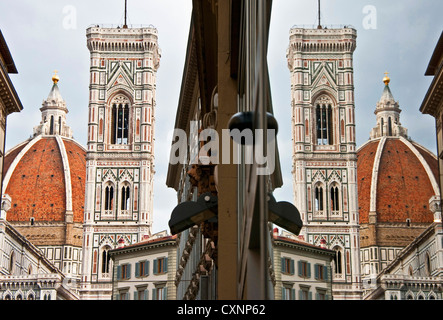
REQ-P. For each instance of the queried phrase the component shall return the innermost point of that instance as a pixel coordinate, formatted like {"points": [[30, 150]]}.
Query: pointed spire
{"points": [[388, 115], [54, 113]]}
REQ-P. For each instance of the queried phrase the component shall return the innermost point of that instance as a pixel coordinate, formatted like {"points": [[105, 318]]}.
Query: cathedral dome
{"points": [[396, 179], [45, 178], [396, 176]]}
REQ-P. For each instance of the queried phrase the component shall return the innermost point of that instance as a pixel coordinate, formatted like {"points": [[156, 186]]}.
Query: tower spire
{"points": [[319, 16], [126, 14]]}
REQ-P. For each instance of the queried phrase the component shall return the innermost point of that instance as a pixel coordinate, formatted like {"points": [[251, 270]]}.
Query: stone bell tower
{"points": [[320, 62], [120, 150]]}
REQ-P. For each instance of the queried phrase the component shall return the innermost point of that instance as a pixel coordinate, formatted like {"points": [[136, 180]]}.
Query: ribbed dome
{"points": [[45, 178], [396, 179]]}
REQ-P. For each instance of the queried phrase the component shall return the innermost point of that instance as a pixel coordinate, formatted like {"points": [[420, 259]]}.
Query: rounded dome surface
{"points": [[396, 179], [45, 178]]}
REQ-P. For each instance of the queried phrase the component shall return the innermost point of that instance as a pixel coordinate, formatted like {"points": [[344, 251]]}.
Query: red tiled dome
{"points": [[45, 178], [396, 179]]}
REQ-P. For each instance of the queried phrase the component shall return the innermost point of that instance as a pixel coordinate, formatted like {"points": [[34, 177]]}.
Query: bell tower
{"points": [[120, 149], [320, 62]]}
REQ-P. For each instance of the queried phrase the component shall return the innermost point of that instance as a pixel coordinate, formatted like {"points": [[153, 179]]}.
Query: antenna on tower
{"points": [[126, 13], [319, 16]]}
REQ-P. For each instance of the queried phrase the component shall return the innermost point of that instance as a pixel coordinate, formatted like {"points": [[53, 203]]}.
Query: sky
{"points": [[396, 36]]}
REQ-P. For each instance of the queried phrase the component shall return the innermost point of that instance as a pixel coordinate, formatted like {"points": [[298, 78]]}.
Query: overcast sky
{"points": [[397, 36]]}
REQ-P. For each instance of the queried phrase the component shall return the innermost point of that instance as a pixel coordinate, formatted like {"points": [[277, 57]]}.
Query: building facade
{"points": [[320, 62], [120, 149], [145, 270], [397, 189], [45, 178], [302, 271], [25, 272], [416, 273], [222, 217]]}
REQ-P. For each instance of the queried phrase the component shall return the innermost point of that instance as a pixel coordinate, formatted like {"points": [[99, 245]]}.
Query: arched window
{"points": [[324, 120], [428, 264], [381, 126], [389, 126], [105, 260], [125, 199], [334, 200], [324, 124], [11, 263], [318, 198], [338, 261], [109, 198], [51, 125], [120, 120]]}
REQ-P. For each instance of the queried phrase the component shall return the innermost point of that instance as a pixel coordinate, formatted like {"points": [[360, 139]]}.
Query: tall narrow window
{"points": [[105, 260], [109, 198], [120, 121], [125, 198], [318, 198], [338, 261], [51, 126], [59, 125], [334, 200], [389, 126], [381, 126], [324, 121]]}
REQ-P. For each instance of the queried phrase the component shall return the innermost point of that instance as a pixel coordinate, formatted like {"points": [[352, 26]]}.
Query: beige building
{"points": [[145, 270], [302, 271]]}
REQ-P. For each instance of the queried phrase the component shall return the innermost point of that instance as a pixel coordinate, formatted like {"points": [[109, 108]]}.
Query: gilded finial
{"points": [[55, 77], [386, 79]]}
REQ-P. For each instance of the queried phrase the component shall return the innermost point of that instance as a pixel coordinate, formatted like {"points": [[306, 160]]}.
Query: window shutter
{"points": [[317, 296], [147, 268], [136, 297], [308, 266], [309, 295], [300, 294], [137, 269], [283, 293], [165, 293], [119, 272], [146, 294], [128, 276], [283, 265], [292, 267], [155, 266], [154, 294], [316, 271], [165, 265], [293, 294], [326, 297], [300, 269], [325, 273], [117, 297]]}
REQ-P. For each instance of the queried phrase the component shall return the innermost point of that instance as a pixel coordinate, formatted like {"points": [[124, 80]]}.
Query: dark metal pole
{"points": [[126, 10]]}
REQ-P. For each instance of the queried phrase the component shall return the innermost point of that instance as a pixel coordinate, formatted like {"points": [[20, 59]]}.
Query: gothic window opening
{"points": [[324, 121], [334, 200], [105, 260], [338, 260], [51, 125], [125, 200], [109, 198], [60, 125], [381, 126], [318, 199], [389, 126], [120, 121]]}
